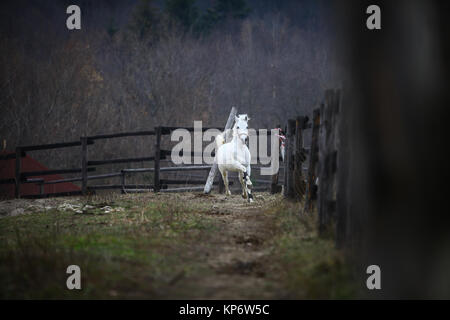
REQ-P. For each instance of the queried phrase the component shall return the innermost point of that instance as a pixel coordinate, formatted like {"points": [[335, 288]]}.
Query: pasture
{"points": [[180, 246]]}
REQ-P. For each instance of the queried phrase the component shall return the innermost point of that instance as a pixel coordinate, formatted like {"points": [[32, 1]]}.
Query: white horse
{"points": [[235, 156]]}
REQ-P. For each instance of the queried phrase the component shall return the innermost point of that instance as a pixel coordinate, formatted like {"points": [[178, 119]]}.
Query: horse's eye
{"points": [[237, 127]]}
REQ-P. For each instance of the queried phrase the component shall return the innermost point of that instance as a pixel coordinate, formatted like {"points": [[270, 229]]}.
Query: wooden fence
{"points": [[89, 165], [324, 187]]}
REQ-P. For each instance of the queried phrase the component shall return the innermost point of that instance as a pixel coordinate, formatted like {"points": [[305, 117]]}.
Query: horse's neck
{"points": [[238, 141]]}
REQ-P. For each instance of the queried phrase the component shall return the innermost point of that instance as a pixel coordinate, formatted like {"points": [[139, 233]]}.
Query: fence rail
{"points": [[51, 172], [53, 146], [122, 134], [12, 156], [114, 161]]}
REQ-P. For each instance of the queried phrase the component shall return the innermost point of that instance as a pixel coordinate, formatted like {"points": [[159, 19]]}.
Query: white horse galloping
{"points": [[235, 156]]}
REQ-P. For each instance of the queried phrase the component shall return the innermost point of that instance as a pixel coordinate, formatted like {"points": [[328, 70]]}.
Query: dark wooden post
{"points": [[156, 180], [122, 181], [274, 186], [327, 161], [299, 157], [286, 169], [311, 188], [323, 173], [18, 169], [84, 165], [342, 175], [296, 151], [334, 150], [289, 166]]}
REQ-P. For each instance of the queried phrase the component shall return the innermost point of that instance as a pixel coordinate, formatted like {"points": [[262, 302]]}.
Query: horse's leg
{"points": [[248, 183], [244, 189], [247, 194], [249, 169], [225, 182]]}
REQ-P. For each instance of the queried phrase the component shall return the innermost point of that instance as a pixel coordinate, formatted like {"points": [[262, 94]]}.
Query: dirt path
{"points": [[238, 257]]}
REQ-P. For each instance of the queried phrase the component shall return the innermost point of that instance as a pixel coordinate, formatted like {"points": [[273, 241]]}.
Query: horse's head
{"points": [[244, 117], [240, 128]]}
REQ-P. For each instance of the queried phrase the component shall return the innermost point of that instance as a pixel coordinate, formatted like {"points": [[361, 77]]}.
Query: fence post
{"points": [[286, 169], [289, 166], [323, 177], [327, 162], [299, 157], [122, 181], [156, 180], [274, 186], [84, 165], [212, 172], [18, 169], [41, 188], [311, 189], [342, 176]]}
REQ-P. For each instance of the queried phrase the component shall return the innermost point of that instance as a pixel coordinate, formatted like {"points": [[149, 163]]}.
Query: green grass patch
{"points": [[129, 253], [310, 266]]}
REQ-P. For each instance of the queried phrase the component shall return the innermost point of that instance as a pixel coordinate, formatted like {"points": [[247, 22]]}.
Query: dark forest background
{"points": [[139, 63]]}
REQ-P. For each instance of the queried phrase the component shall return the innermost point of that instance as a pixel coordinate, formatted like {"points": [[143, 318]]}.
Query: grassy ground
{"points": [[168, 246]]}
